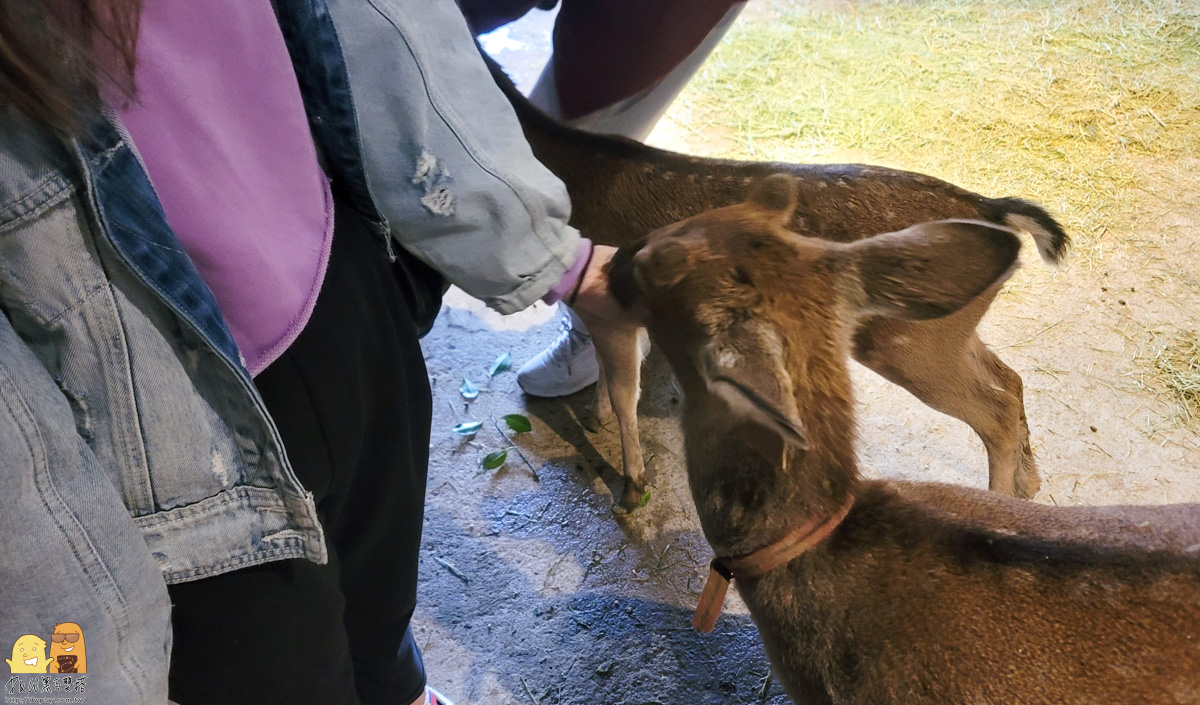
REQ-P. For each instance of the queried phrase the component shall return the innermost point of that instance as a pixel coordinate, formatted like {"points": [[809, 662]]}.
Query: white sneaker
{"points": [[566, 367]]}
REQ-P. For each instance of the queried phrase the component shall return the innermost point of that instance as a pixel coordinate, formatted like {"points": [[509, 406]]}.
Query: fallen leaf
{"points": [[502, 363], [468, 428], [518, 423], [468, 390], [495, 459]]}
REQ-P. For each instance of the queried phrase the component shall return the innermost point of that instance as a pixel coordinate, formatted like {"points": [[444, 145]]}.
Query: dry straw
{"points": [[1174, 369], [1091, 107]]}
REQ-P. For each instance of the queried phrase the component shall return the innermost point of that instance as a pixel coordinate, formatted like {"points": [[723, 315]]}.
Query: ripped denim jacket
{"points": [[134, 449]]}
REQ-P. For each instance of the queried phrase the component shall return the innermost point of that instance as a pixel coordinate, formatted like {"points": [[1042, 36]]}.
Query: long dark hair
{"points": [[55, 55]]}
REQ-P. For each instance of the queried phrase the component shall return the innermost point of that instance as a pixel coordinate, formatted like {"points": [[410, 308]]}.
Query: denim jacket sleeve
{"points": [[71, 552], [446, 160]]}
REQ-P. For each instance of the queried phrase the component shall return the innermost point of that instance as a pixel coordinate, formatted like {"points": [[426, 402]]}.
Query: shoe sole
{"points": [[558, 393]]}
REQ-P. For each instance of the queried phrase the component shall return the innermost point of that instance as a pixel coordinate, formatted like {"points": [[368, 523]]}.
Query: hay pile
{"points": [[1064, 102], [1090, 107], [1175, 371]]}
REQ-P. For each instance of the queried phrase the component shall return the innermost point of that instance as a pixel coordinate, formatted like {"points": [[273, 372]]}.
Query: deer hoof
{"points": [[631, 499], [591, 422]]}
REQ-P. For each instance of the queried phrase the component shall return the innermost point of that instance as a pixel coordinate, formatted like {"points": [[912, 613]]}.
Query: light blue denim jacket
{"points": [[133, 445]]}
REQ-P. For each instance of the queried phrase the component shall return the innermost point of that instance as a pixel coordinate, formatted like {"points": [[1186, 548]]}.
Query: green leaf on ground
{"points": [[494, 460], [518, 423]]}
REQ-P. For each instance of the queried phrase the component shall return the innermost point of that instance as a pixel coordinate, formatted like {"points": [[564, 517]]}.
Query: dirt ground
{"points": [[531, 590]]}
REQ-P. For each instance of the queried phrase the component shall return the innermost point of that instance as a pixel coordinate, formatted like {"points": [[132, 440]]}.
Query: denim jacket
{"points": [[125, 408]]}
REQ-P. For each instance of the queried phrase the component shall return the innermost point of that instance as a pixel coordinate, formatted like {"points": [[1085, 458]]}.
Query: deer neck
{"points": [[744, 500], [622, 189], [571, 154]]}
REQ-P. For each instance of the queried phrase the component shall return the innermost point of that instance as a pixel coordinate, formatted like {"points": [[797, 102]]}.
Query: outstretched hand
{"points": [[593, 299]]}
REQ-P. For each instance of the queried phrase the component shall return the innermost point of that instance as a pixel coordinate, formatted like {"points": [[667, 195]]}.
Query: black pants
{"points": [[352, 401]]}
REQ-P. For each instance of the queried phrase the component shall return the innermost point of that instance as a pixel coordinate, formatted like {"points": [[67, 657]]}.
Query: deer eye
{"points": [[741, 277]]}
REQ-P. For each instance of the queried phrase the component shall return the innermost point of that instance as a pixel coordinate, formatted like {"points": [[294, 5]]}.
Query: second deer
{"points": [[621, 190]]}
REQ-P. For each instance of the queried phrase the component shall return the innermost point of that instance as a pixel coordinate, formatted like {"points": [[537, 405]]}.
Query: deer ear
{"points": [[932, 269], [622, 279], [645, 267], [745, 368], [660, 264], [777, 195]]}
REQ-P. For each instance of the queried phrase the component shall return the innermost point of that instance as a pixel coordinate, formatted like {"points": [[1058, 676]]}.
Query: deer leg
{"points": [[600, 411], [1007, 385], [617, 351], [945, 364]]}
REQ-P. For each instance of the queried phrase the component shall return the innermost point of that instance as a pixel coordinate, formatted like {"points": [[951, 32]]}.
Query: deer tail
{"points": [[1028, 217]]}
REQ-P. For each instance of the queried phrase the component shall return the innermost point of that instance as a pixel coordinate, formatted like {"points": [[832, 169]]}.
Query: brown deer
{"points": [[622, 190], [879, 592]]}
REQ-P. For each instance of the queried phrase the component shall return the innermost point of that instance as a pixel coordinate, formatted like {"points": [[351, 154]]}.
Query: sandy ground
{"points": [[532, 592]]}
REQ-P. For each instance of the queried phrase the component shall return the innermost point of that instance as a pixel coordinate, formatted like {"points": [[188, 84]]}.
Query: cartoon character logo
{"points": [[29, 655], [67, 652]]}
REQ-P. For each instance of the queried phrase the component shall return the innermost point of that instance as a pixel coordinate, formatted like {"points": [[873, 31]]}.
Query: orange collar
{"points": [[760, 562]]}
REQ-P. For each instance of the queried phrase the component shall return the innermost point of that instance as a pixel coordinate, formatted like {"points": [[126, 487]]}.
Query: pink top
{"points": [[222, 129], [570, 278], [221, 126]]}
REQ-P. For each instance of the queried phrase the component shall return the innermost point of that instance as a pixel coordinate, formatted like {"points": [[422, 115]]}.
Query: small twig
{"points": [[550, 572], [1032, 337], [454, 571], [766, 685], [1156, 117], [661, 556], [1097, 447], [517, 448], [530, 692]]}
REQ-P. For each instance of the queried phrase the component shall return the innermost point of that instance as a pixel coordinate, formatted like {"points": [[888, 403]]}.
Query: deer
{"points": [[882, 591], [622, 189]]}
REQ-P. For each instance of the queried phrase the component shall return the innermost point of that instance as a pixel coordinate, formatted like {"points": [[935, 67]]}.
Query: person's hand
{"points": [[593, 299]]}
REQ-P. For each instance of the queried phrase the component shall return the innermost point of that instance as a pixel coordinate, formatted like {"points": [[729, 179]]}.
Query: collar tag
{"points": [[712, 599]]}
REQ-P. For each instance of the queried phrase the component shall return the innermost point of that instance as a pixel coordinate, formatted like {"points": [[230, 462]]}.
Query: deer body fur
{"points": [[933, 594]]}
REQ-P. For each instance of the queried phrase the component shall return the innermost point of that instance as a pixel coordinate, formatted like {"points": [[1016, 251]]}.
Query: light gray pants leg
{"points": [[636, 116]]}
